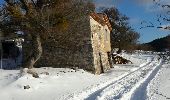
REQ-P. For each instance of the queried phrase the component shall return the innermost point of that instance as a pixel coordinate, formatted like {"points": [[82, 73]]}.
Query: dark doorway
{"points": [[10, 50]]}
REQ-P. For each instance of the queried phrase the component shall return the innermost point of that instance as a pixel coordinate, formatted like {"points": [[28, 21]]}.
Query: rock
{"points": [[26, 87]]}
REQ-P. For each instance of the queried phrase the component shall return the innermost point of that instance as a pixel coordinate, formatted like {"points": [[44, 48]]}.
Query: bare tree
{"points": [[161, 17]]}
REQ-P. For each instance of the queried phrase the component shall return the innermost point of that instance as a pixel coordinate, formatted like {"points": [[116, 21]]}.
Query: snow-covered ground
{"points": [[146, 78], [159, 87]]}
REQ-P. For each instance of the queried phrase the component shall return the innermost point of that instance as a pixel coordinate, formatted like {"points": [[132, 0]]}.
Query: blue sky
{"points": [[138, 11], [1, 1]]}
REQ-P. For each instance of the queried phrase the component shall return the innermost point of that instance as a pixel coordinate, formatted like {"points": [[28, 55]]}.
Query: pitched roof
{"points": [[102, 19]]}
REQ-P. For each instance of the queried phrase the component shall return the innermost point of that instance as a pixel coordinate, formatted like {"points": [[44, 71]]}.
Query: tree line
{"points": [[48, 22]]}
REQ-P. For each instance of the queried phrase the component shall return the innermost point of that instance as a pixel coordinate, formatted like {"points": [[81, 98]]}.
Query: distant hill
{"points": [[160, 44]]}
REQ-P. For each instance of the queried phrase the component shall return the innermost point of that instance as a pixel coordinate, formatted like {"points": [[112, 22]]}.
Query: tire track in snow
{"points": [[158, 82], [116, 88], [140, 93]]}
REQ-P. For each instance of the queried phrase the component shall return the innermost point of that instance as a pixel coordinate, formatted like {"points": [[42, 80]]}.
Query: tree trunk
{"points": [[36, 52]]}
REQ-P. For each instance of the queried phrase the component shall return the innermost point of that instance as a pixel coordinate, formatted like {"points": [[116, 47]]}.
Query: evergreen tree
{"points": [[39, 20]]}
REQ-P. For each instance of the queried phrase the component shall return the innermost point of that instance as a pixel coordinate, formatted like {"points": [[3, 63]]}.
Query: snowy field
{"points": [[147, 78]]}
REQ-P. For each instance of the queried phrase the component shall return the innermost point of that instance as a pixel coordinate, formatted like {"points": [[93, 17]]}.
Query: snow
{"points": [[138, 92], [60, 84], [146, 78], [159, 87]]}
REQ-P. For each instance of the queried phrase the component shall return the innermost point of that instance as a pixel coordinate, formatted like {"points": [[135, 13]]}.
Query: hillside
{"points": [[160, 44]]}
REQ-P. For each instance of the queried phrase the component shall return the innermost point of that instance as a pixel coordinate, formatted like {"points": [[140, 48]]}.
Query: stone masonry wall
{"points": [[101, 46], [77, 52], [86, 48]]}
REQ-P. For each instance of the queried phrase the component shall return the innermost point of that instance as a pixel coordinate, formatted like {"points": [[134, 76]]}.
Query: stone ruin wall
{"points": [[101, 45], [89, 54], [81, 56]]}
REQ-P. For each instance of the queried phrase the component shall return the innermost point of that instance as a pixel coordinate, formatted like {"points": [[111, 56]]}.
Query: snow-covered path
{"points": [[159, 87], [140, 93], [126, 86]]}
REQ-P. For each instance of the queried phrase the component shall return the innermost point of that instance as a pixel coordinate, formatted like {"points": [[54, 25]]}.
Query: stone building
{"points": [[100, 40], [88, 46]]}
